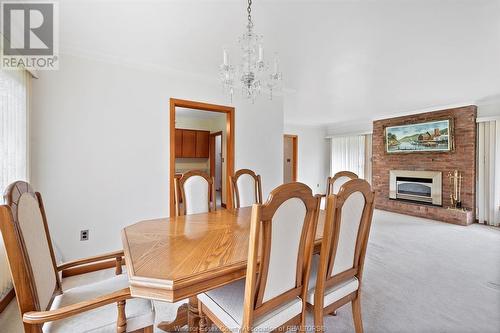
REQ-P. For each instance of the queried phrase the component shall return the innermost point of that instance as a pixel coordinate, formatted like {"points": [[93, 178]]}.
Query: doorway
{"points": [[193, 126], [216, 164], [290, 149]]}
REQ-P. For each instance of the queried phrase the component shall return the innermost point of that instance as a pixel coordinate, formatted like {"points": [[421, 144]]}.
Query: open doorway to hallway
{"points": [[216, 165], [290, 149]]}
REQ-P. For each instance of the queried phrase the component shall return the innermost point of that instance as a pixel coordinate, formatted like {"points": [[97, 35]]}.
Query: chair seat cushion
{"points": [[333, 293], [227, 304], [139, 312]]}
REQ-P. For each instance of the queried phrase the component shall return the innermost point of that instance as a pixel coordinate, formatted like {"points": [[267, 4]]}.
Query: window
{"points": [[14, 127]]}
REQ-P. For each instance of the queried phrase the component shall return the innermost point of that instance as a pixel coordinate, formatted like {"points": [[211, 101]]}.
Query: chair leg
{"points": [[356, 314], [203, 319], [302, 322], [121, 323], [318, 319]]}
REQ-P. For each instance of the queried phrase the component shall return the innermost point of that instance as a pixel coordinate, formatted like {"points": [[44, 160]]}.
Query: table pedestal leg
{"points": [[179, 321], [193, 315]]}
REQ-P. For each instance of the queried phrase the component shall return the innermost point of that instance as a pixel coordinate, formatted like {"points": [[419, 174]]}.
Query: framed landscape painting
{"points": [[432, 136]]}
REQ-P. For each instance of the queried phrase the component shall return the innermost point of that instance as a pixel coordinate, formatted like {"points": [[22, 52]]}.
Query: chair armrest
{"points": [[118, 255], [40, 317]]}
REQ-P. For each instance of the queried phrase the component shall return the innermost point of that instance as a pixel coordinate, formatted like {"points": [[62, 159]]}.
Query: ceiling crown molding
{"points": [[149, 67]]}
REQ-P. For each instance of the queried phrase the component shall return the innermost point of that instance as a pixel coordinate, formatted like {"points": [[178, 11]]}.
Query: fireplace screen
{"points": [[419, 189], [415, 189]]}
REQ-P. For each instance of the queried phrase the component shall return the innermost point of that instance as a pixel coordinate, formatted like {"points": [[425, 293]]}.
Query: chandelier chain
{"points": [[249, 11]]}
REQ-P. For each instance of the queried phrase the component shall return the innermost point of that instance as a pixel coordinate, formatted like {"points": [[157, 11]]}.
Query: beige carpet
{"points": [[420, 276], [426, 276]]}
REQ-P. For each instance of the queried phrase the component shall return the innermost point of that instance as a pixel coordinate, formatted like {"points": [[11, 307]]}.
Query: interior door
{"points": [[289, 163]]}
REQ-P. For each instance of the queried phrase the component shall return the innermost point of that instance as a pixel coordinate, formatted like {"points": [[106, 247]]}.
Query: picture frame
{"points": [[434, 136]]}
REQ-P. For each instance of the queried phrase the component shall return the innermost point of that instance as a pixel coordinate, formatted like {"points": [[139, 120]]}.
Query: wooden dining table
{"points": [[177, 258]]}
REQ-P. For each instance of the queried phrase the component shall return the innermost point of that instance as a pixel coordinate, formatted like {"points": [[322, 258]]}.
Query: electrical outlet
{"points": [[84, 235]]}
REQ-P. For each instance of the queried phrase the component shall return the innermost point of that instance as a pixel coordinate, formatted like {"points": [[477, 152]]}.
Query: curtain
{"points": [[13, 130], [488, 173], [348, 154], [13, 144], [368, 158]]}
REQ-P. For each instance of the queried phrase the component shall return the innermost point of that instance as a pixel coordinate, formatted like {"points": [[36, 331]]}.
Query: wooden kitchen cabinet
{"points": [[191, 143], [202, 139], [188, 143], [178, 142]]}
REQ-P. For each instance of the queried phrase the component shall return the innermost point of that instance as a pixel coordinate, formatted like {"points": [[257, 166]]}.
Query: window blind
{"points": [[13, 144], [488, 174], [348, 154]]}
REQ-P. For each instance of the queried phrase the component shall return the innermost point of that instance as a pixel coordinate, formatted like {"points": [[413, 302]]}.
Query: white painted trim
{"points": [[403, 114], [302, 125], [28, 78], [151, 67], [428, 109], [485, 119], [348, 134], [33, 73]]}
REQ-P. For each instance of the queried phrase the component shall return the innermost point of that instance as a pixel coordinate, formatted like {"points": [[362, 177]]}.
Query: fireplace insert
{"points": [[420, 186]]}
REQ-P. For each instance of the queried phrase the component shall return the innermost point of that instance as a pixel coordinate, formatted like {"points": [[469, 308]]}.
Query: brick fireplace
{"points": [[462, 158]]}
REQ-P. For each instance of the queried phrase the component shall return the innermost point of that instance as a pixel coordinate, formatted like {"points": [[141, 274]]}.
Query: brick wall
{"points": [[462, 158]]}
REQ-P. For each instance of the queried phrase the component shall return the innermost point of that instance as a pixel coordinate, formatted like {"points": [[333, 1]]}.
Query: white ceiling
{"points": [[342, 60]]}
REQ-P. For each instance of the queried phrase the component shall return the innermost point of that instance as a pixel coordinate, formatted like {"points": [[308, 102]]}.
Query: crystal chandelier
{"points": [[253, 73]]}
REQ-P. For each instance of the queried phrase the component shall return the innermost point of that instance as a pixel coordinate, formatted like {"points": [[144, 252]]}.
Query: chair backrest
{"points": [[246, 188], [197, 192], [29, 248], [340, 178], [282, 235], [345, 236]]}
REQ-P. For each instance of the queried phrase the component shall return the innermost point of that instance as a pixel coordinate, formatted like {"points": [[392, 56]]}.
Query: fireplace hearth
{"points": [[417, 186]]}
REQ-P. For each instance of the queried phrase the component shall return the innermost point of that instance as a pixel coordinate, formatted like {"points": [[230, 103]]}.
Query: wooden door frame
{"points": [[229, 112], [211, 149], [295, 153]]}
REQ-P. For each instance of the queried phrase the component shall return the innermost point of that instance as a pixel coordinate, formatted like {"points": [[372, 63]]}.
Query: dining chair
{"points": [[246, 188], [195, 189], [336, 273], [279, 256], [43, 304], [334, 183]]}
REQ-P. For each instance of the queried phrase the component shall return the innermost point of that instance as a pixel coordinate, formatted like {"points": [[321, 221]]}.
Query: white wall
{"points": [[313, 155], [100, 146]]}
